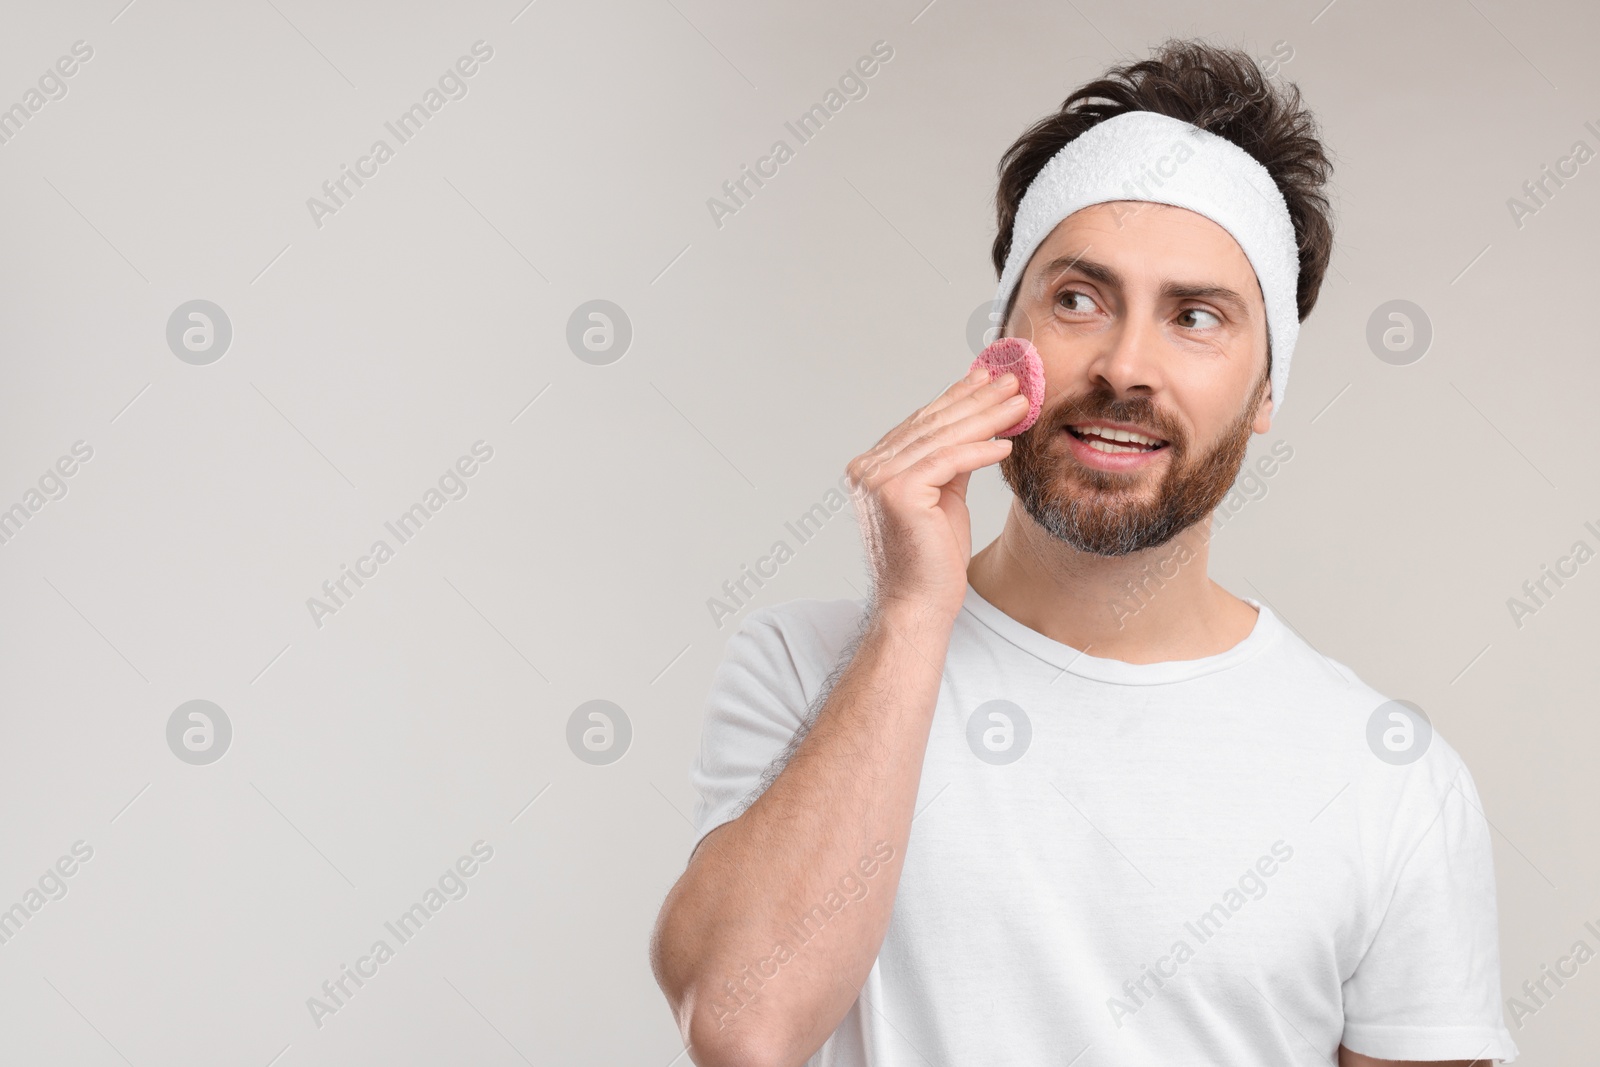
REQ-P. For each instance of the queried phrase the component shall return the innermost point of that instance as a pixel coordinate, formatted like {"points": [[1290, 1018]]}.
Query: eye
{"points": [[1067, 297], [1215, 321]]}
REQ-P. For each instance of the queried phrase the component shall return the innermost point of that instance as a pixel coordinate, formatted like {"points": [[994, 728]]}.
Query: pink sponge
{"points": [[1016, 355]]}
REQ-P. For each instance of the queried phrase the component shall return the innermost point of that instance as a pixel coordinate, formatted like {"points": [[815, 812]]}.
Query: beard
{"points": [[1113, 513]]}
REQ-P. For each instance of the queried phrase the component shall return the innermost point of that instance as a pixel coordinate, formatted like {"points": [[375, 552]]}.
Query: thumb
{"points": [[957, 486]]}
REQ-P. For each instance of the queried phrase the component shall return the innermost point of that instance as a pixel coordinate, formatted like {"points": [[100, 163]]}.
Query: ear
{"points": [[1263, 420], [1264, 407]]}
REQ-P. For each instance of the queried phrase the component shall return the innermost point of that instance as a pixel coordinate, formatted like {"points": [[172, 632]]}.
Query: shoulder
{"points": [[1403, 784], [1387, 746], [812, 630], [777, 662], [778, 658]]}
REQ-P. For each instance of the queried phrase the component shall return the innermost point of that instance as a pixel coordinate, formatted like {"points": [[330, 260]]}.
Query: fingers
{"points": [[936, 470], [913, 438], [975, 379], [1003, 390], [979, 414], [915, 442]]}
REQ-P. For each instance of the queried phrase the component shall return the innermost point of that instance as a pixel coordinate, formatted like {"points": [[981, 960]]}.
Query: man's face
{"points": [[1148, 319]]}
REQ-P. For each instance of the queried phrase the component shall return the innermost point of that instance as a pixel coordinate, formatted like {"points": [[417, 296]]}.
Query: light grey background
{"points": [[431, 310]]}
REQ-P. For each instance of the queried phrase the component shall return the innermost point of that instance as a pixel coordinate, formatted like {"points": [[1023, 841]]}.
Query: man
{"points": [[935, 828]]}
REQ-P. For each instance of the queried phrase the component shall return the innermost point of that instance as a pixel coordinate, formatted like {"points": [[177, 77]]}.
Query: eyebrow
{"points": [[1172, 290]]}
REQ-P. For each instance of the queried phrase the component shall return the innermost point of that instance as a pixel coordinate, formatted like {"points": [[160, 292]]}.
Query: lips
{"points": [[1113, 439]]}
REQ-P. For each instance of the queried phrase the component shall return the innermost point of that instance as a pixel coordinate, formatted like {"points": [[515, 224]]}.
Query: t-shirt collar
{"points": [[1266, 629]]}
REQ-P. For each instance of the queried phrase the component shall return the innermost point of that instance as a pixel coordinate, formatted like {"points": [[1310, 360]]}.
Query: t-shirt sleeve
{"points": [[1428, 987], [757, 702]]}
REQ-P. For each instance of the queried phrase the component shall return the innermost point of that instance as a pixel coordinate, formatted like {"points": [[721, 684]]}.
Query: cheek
{"points": [[1057, 329], [1024, 322], [1038, 321], [1214, 381], [1061, 378]]}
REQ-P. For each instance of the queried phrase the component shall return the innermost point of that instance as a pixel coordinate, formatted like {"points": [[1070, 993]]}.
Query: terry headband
{"points": [[1143, 155]]}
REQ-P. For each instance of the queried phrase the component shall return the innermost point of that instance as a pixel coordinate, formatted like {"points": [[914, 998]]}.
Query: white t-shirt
{"points": [[1194, 861]]}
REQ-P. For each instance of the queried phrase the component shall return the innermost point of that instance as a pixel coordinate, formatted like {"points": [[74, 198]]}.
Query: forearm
{"points": [[849, 788]]}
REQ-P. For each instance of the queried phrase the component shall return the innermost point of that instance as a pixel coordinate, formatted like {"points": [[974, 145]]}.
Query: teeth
{"points": [[1117, 435], [1106, 446]]}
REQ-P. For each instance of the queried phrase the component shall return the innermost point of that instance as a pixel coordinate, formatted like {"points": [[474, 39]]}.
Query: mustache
{"points": [[1101, 404]]}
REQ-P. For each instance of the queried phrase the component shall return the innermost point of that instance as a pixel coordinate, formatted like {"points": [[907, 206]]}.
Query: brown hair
{"points": [[1220, 90]]}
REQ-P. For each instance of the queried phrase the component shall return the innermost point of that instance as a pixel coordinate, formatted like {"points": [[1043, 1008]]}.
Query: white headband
{"points": [[1143, 155]]}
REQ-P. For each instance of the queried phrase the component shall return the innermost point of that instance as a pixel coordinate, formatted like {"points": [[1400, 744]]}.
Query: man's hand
{"points": [[911, 491]]}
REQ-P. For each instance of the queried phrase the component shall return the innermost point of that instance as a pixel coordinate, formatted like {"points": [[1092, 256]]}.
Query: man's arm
{"points": [[852, 781], [849, 785]]}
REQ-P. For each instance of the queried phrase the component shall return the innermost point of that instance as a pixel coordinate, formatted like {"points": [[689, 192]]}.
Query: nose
{"points": [[1126, 356]]}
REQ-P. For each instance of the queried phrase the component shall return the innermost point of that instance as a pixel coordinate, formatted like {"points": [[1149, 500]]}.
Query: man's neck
{"points": [[1146, 607]]}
